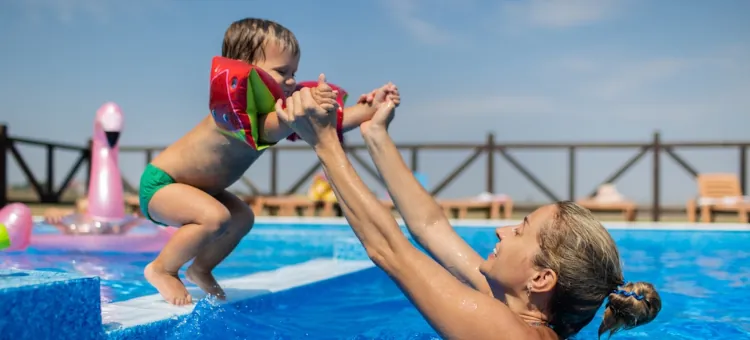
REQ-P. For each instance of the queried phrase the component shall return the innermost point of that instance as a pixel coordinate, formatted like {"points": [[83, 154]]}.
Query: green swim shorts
{"points": [[152, 180]]}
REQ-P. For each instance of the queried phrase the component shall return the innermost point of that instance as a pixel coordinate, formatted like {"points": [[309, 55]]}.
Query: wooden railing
{"points": [[656, 148]]}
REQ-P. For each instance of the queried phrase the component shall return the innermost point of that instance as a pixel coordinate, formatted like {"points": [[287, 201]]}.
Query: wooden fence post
{"points": [[4, 140], [656, 208]]}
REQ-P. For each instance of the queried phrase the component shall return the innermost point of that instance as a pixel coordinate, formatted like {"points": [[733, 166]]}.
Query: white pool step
{"points": [[152, 308]]}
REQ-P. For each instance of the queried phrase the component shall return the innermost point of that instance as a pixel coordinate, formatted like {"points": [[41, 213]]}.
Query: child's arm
{"points": [[357, 114], [367, 105], [271, 130]]}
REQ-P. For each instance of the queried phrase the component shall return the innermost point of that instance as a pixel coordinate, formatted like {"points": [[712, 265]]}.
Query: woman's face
{"points": [[509, 268]]}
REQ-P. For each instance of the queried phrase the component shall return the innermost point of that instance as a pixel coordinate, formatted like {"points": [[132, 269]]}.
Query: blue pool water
{"points": [[265, 248], [702, 276]]}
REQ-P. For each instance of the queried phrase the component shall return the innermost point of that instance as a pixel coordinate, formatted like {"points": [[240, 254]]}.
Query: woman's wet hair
{"points": [[583, 254], [629, 306]]}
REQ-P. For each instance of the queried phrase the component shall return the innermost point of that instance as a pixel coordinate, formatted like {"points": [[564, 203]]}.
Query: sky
{"points": [[524, 70]]}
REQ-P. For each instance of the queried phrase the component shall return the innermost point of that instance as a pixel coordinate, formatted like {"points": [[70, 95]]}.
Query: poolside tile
{"points": [[44, 304]]}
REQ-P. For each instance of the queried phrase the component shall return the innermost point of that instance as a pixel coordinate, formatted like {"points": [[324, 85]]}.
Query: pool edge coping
{"points": [[492, 223]]}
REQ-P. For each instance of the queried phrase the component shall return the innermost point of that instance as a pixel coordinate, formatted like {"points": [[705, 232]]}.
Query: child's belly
{"points": [[207, 159]]}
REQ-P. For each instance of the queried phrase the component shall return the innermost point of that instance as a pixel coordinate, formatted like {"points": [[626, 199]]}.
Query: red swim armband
{"points": [[239, 93], [341, 99]]}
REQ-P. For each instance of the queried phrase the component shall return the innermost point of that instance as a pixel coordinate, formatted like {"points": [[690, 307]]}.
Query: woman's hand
{"points": [[313, 119], [382, 117]]}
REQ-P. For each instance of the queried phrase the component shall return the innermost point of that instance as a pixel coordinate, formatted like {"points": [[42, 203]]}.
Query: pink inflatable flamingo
{"points": [[106, 202], [104, 226]]}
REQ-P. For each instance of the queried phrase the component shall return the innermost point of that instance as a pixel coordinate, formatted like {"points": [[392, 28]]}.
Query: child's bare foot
{"points": [[169, 285], [206, 281]]}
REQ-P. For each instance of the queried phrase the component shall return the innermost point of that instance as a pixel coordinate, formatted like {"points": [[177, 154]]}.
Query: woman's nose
{"points": [[501, 232]]}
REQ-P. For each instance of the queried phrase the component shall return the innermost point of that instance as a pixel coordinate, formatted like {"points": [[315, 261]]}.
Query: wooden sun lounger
{"points": [[328, 209], [462, 207], [255, 203], [718, 192], [284, 205], [628, 209]]}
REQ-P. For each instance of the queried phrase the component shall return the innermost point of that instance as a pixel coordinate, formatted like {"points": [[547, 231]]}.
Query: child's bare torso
{"points": [[206, 159]]}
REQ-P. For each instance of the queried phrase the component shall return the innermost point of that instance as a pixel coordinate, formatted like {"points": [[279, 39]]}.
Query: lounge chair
{"points": [[283, 205], [718, 192], [493, 204], [608, 199]]}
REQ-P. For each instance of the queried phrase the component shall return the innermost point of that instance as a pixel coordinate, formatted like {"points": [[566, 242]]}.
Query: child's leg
{"points": [[216, 251], [201, 217]]}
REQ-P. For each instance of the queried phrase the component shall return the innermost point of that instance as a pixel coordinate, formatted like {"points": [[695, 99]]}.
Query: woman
{"points": [[545, 279]]}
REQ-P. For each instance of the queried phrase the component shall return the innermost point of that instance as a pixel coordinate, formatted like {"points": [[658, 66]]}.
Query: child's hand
{"points": [[307, 117], [391, 93], [324, 95], [55, 215]]}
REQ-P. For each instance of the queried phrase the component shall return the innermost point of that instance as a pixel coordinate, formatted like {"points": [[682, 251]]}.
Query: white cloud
{"points": [[602, 77], [67, 11], [655, 91], [556, 13], [648, 110], [489, 105], [568, 13], [422, 18], [586, 86], [406, 13], [625, 79], [731, 57]]}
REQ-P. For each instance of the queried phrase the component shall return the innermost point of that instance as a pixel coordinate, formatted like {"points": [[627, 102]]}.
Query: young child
{"points": [[185, 185]]}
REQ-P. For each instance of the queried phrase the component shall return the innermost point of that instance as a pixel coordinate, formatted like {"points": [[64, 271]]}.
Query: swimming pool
{"points": [[703, 277], [266, 248]]}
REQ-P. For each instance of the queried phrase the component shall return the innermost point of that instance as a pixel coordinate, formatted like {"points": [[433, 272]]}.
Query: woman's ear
{"points": [[543, 281]]}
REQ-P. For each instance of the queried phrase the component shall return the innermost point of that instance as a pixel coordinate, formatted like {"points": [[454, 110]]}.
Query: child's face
{"points": [[281, 65]]}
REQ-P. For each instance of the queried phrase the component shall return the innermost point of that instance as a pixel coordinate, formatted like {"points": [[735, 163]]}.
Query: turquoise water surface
{"points": [[703, 278]]}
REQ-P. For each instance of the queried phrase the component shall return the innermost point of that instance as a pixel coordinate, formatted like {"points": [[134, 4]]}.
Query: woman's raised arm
{"points": [[453, 309], [423, 216]]}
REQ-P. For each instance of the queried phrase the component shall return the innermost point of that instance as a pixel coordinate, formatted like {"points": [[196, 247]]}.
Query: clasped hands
{"points": [[312, 113]]}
